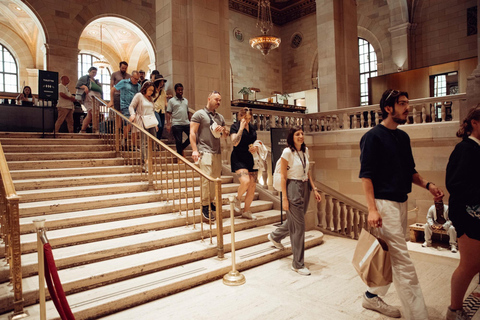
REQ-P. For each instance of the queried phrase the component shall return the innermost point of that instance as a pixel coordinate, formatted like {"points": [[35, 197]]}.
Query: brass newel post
{"points": [[218, 204], [233, 278], [16, 258], [40, 227]]}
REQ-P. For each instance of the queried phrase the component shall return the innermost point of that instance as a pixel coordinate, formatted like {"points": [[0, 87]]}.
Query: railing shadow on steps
{"points": [[167, 172], [10, 234]]}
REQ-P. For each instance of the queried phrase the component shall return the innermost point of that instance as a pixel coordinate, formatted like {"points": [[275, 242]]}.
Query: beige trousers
{"points": [[211, 164]]}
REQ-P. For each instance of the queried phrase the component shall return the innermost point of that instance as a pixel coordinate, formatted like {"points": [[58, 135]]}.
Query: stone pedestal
{"points": [[338, 68]]}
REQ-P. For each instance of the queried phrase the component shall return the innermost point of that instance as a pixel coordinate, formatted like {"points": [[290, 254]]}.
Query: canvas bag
{"points": [[371, 259], [149, 121], [277, 177]]}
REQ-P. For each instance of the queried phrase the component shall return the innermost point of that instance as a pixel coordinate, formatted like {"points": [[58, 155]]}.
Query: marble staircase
{"points": [[117, 244]]}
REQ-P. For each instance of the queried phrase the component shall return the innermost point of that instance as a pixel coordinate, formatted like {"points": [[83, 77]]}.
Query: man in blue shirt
{"points": [[128, 88]]}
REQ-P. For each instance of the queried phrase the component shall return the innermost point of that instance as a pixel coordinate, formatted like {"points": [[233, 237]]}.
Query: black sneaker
{"points": [[206, 214], [212, 206]]}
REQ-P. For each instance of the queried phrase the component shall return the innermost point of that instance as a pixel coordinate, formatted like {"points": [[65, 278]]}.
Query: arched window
{"points": [[85, 61], [8, 71], [368, 67]]}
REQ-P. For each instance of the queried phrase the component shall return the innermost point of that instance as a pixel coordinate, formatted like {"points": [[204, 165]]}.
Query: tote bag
{"points": [[372, 260], [149, 121]]}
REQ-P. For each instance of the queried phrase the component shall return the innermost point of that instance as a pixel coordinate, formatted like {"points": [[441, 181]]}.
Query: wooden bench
{"points": [[417, 228]]}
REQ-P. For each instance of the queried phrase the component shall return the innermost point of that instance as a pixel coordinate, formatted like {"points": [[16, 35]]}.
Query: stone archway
{"points": [[122, 40], [24, 35], [399, 13]]}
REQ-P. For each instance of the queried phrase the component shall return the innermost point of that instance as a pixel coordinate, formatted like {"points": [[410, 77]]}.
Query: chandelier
{"points": [[264, 42], [101, 62]]}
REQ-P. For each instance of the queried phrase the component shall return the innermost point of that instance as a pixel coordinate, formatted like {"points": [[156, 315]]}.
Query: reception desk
{"points": [[17, 118]]}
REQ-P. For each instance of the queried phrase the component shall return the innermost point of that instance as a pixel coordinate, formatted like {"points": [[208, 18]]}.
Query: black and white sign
{"points": [[47, 85], [279, 142]]}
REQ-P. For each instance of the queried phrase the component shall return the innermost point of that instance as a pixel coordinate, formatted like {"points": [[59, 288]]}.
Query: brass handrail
{"points": [[157, 149], [10, 232]]}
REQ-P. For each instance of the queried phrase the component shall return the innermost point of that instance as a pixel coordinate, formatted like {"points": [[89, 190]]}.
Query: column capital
{"points": [[400, 29]]}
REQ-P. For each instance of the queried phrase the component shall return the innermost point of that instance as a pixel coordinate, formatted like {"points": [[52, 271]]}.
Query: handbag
{"points": [[371, 259], [79, 94], [149, 121]]}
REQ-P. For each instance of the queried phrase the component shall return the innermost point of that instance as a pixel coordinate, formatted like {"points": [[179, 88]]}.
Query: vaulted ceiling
{"points": [[283, 11]]}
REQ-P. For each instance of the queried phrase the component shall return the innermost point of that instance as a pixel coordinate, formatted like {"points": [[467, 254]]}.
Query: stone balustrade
{"points": [[425, 110]]}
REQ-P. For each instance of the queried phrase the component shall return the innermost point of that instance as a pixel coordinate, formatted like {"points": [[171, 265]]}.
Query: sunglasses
{"points": [[392, 92]]}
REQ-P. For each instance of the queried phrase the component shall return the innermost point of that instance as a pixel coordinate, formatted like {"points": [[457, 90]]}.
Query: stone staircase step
{"points": [[105, 230], [125, 294], [58, 155], [42, 195], [55, 148], [48, 135], [101, 273], [58, 141], [88, 180], [84, 180], [67, 172], [80, 254], [64, 164], [95, 216]]}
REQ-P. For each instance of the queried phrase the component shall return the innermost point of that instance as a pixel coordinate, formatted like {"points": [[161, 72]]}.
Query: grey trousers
{"points": [[298, 195]]}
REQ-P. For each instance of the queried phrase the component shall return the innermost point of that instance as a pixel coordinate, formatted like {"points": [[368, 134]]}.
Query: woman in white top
{"points": [[296, 186], [142, 105]]}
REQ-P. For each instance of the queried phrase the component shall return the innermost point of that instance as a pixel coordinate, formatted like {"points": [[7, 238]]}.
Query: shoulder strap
{"points": [[208, 114]]}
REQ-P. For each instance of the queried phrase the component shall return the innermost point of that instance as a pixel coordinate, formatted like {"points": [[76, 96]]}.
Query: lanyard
{"points": [[304, 162]]}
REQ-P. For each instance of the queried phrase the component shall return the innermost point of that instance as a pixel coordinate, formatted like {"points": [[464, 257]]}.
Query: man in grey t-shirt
{"points": [[178, 119], [115, 78], [206, 128]]}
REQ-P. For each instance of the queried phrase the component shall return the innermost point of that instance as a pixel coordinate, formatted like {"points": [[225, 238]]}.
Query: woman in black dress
{"points": [[243, 136], [463, 184]]}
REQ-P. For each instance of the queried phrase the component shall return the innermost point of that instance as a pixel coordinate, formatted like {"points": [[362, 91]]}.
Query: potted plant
{"points": [[284, 96], [245, 92]]}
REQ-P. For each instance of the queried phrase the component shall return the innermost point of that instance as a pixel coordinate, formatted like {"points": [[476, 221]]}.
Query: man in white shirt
{"points": [[65, 105], [437, 219]]}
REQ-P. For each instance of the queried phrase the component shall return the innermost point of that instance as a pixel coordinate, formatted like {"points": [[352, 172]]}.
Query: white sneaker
{"points": [[377, 304], [248, 215], [426, 244], [238, 205], [453, 248], [456, 315], [303, 271], [276, 244]]}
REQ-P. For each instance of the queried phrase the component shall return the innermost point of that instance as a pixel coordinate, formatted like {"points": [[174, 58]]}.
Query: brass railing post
{"points": [[16, 258], [233, 278], [150, 161], [40, 227], [218, 204], [95, 115], [117, 133]]}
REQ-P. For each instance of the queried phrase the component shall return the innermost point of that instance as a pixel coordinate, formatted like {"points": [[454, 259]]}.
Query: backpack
{"points": [[277, 177]]}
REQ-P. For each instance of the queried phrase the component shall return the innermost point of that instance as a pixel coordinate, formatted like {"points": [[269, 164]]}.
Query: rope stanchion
{"points": [[233, 278], [55, 286]]}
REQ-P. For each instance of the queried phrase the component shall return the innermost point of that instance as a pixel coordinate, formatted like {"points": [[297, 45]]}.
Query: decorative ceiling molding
{"points": [[282, 12]]}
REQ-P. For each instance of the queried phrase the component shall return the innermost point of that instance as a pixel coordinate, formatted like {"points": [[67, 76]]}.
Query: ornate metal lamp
{"points": [[264, 42], [101, 62]]}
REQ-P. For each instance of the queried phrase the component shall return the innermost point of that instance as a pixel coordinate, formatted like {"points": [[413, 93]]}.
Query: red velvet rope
{"points": [[55, 286]]}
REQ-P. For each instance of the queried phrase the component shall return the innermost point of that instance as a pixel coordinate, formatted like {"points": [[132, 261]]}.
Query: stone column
{"points": [[400, 35], [338, 69], [193, 48], [63, 60], [473, 81]]}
